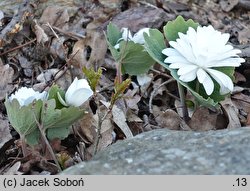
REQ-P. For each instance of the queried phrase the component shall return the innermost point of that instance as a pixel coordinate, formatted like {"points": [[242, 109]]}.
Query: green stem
{"points": [[197, 87], [183, 103], [23, 145]]}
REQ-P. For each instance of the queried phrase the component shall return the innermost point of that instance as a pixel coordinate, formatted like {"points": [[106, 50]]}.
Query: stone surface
{"points": [[174, 152]]}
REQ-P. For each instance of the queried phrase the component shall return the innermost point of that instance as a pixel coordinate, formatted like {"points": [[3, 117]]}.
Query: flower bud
{"points": [[78, 92]]}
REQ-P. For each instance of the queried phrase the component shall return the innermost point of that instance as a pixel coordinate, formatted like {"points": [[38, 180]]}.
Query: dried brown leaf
{"points": [[13, 170], [167, 119], [56, 16], [232, 112], [6, 73], [120, 120], [4, 131], [41, 36], [203, 120]]}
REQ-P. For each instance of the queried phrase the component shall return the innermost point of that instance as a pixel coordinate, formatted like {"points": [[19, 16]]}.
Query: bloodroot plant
{"points": [[40, 117], [199, 58]]}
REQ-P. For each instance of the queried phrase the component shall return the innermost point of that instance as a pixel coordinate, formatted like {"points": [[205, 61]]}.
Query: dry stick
{"points": [[44, 138], [154, 92], [99, 126], [18, 47], [160, 73]]}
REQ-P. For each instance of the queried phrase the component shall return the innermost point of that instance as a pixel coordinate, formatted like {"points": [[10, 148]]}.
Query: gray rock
{"points": [[174, 152]]}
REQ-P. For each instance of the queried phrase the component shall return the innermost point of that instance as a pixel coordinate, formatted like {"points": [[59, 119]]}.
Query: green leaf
{"points": [[119, 88], [55, 120], [134, 59], [33, 138], [23, 119], [53, 94], [154, 44], [60, 132], [113, 34], [172, 28], [115, 53], [93, 77]]}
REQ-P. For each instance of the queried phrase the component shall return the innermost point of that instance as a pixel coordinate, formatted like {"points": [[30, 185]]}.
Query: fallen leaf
{"points": [[4, 131], [132, 99], [232, 113], [56, 16], [140, 17], [41, 36], [167, 119], [6, 73], [228, 5], [13, 170], [87, 128], [203, 120]]}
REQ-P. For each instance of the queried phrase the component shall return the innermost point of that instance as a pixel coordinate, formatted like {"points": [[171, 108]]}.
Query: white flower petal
{"points": [[187, 69], [177, 65], [226, 84], [79, 97], [180, 59], [126, 34], [138, 37], [170, 52], [25, 96], [78, 92], [71, 89], [189, 76], [206, 81]]}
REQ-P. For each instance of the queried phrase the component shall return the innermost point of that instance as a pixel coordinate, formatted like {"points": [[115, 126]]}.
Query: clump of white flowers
{"points": [[198, 54], [137, 38], [25, 96]]}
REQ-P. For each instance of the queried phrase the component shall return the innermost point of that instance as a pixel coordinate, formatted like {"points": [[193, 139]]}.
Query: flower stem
{"points": [[183, 103], [197, 86], [45, 140]]}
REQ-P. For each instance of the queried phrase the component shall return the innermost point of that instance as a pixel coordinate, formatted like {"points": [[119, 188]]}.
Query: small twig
{"points": [[17, 47], [70, 34], [160, 73], [52, 30], [99, 126], [148, 4], [154, 92]]}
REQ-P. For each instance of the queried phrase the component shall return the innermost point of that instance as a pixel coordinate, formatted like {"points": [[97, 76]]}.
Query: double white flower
{"points": [[137, 38], [25, 96], [198, 53]]}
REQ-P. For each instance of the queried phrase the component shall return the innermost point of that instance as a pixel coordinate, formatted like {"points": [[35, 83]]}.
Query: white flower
{"points": [[197, 54], [25, 96], [137, 38], [78, 92]]}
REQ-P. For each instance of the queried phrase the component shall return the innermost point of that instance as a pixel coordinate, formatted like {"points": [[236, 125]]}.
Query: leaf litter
{"points": [[60, 38]]}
